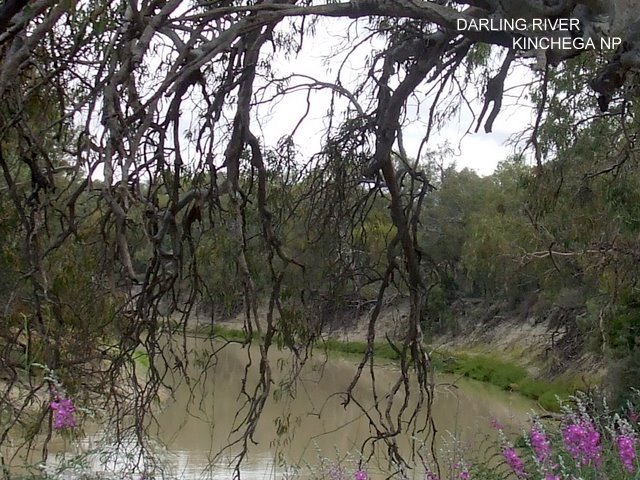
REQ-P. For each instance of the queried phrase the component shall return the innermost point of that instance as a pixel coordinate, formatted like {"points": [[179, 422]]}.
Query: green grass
{"points": [[505, 375], [227, 333], [547, 393], [483, 368]]}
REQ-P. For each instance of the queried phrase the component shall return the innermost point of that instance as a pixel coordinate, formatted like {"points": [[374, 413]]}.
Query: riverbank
{"points": [[532, 348], [506, 375], [503, 374]]}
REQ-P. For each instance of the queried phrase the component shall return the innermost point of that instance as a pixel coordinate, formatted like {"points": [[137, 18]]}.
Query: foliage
{"points": [[588, 442]]}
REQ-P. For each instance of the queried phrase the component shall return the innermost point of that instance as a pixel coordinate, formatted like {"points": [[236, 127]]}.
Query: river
{"points": [[194, 424]]}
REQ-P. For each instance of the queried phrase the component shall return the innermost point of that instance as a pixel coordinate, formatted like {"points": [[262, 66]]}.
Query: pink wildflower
{"points": [[464, 471], [626, 451], [514, 461], [361, 475], [63, 410], [335, 472], [496, 424], [429, 475], [582, 442], [540, 444]]}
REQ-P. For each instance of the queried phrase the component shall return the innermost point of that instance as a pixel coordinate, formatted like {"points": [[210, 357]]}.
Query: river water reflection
{"points": [[195, 423]]}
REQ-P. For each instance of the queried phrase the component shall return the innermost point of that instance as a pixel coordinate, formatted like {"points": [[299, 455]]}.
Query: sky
{"points": [[320, 58], [480, 151]]}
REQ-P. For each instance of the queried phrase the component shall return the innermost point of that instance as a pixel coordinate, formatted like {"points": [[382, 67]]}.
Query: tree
{"points": [[116, 84]]}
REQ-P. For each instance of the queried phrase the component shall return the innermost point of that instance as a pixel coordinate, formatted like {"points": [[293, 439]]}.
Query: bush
{"points": [[589, 441]]}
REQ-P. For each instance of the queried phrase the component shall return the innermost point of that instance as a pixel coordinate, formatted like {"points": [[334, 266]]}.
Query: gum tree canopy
{"points": [[136, 183]]}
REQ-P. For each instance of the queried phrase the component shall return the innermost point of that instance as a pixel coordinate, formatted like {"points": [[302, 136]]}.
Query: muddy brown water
{"points": [[308, 429]]}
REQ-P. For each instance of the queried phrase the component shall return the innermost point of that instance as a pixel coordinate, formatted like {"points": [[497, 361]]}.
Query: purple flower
{"points": [[582, 442], [514, 461], [361, 475], [626, 451], [540, 444], [63, 410], [464, 471], [429, 475], [496, 424], [336, 472], [551, 476]]}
